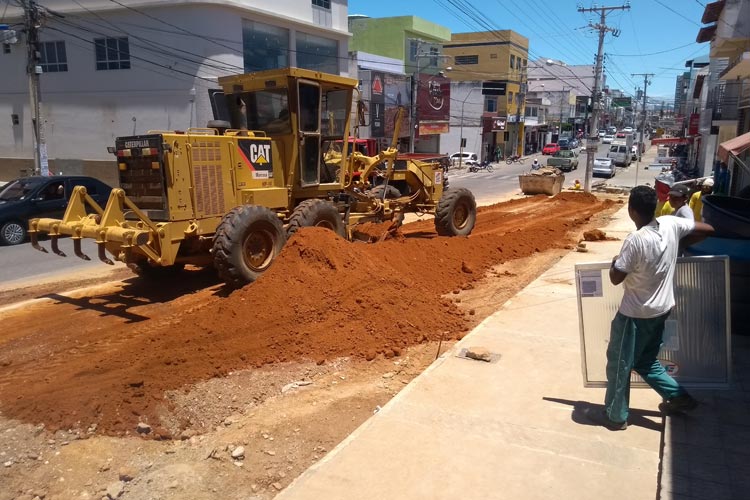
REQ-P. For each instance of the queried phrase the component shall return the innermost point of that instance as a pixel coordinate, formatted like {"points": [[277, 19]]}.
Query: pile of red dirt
{"points": [[324, 297]]}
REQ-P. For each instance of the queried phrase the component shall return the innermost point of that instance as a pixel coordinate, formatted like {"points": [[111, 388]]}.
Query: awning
{"points": [[706, 34], [734, 146], [712, 11], [672, 140]]}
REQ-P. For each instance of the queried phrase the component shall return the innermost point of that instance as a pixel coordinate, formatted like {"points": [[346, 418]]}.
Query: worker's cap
{"points": [[678, 190], [709, 182]]}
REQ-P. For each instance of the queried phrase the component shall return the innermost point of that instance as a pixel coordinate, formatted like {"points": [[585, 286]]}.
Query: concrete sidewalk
{"points": [[506, 429]]}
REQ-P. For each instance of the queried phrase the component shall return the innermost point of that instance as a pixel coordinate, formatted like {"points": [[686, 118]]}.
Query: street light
{"points": [[461, 127]]}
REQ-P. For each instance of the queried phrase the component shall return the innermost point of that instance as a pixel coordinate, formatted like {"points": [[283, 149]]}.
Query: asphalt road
{"points": [[503, 181], [20, 263]]}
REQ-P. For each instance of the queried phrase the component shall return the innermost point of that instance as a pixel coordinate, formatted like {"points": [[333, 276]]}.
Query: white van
{"points": [[620, 154]]}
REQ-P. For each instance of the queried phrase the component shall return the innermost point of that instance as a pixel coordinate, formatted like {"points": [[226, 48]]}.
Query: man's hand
{"points": [[615, 275], [699, 233]]}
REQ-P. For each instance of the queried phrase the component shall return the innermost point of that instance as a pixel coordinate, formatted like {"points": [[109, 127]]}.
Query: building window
{"points": [[326, 4], [413, 47], [317, 53], [491, 105], [112, 53], [493, 56], [512, 62], [52, 57], [264, 46], [510, 97], [434, 56], [464, 60], [518, 63]]}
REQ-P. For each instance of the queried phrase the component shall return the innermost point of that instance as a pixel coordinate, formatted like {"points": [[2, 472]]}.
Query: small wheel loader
{"points": [[230, 194]]}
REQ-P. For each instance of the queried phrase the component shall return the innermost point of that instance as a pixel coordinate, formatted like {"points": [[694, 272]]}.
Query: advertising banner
{"points": [[433, 104]]}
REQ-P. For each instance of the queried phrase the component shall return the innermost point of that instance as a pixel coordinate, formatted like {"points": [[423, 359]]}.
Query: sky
{"points": [[556, 30]]}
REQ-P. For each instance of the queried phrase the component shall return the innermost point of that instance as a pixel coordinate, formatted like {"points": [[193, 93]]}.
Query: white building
{"points": [[123, 67]]}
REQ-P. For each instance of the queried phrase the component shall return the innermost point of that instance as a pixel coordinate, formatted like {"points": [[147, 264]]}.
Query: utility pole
{"points": [[32, 23], [592, 142], [646, 81]]}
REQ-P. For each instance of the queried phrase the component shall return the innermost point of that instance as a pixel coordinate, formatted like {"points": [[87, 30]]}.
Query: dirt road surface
{"points": [[131, 389]]}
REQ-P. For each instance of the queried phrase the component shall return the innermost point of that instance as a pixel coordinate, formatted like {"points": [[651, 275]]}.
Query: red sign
{"points": [[434, 98], [377, 85], [695, 119]]}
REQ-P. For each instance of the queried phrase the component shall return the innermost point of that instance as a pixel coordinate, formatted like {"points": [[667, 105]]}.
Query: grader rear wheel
{"points": [[316, 213], [456, 213], [247, 241]]}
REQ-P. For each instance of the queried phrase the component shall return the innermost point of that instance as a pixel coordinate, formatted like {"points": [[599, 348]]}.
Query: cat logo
{"points": [[259, 153], [257, 156]]}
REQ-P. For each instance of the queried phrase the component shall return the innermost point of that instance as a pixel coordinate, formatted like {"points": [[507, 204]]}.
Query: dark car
{"points": [[564, 143], [32, 197]]}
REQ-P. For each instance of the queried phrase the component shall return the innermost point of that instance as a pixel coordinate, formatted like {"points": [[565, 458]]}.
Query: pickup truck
{"points": [[566, 160]]}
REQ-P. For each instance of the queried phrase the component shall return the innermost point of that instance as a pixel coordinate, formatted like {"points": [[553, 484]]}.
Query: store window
{"points": [[264, 46], [317, 53]]}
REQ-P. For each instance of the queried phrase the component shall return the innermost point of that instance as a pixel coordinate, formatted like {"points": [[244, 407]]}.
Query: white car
{"points": [[607, 139], [604, 166], [628, 130], [469, 158]]}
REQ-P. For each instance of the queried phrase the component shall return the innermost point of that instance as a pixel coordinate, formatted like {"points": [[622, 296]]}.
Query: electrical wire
{"points": [[677, 13], [654, 53]]}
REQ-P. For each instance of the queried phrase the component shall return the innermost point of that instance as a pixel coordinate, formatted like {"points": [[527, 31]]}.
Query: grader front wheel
{"points": [[316, 213], [247, 241], [456, 213]]}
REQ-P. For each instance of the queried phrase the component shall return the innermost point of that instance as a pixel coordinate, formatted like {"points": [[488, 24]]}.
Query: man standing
{"points": [[645, 267], [696, 201], [678, 200]]}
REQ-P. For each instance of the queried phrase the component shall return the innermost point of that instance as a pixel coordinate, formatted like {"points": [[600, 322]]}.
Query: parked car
{"points": [[620, 135], [564, 143], [566, 160], [602, 133], [604, 167], [31, 197], [607, 139], [551, 148], [469, 158], [628, 130]]}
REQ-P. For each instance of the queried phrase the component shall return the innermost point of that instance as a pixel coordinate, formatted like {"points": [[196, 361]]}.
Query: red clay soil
{"points": [[323, 298]]}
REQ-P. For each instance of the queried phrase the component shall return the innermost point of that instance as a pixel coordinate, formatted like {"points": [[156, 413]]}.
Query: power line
{"points": [[654, 53], [677, 13]]}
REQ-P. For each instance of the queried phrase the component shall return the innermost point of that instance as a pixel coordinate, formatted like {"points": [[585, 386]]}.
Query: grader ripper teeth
{"points": [[105, 226]]}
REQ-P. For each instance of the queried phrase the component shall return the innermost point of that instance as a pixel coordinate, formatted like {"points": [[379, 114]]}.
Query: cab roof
{"points": [[278, 78]]}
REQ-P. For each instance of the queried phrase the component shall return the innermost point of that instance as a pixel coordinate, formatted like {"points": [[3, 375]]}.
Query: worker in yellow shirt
{"points": [[696, 201]]}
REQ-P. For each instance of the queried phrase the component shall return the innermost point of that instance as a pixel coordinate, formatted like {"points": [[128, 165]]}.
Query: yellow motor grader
{"points": [[230, 194]]}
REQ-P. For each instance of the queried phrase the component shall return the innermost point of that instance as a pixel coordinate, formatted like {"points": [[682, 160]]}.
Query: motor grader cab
{"points": [[230, 194]]}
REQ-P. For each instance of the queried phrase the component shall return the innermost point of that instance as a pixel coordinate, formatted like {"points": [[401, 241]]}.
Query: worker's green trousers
{"points": [[633, 345]]}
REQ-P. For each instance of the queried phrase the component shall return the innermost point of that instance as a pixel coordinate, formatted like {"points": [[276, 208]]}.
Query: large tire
{"points": [[456, 213], [12, 233], [316, 212], [391, 192], [247, 241]]}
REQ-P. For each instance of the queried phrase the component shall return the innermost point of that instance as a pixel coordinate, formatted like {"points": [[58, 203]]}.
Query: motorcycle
{"points": [[514, 159], [485, 165]]}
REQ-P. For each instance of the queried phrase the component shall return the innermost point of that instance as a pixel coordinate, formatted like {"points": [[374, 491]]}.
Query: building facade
{"points": [[110, 71], [499, 61], [414, 47], [728, 100]]}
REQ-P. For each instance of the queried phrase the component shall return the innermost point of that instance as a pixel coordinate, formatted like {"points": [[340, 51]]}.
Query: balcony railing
{"points": [[724, 101]]}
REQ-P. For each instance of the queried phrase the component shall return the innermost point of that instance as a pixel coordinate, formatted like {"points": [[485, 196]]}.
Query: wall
{"points": [[165, 88], [387, 36], [473, 107]]}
